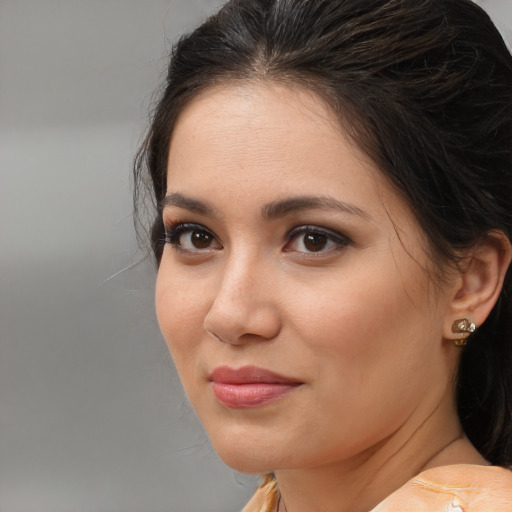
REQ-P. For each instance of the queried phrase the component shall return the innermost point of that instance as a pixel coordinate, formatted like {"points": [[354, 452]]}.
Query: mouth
{"points": [[249, 387]]}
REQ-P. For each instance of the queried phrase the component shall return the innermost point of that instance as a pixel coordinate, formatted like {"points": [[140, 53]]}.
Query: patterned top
{"points": [[457, 488]]}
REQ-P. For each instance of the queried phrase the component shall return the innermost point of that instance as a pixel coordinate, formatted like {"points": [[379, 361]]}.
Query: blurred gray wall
{"points": [[92, 416]]}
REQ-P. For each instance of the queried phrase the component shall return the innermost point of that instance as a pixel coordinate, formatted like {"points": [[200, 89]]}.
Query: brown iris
{"points": [[201, 239], [315, 242]]}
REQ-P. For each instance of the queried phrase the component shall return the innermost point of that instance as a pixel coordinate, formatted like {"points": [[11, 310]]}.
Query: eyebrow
{"points": [[271, 211], [188, 203], [282, 208]]}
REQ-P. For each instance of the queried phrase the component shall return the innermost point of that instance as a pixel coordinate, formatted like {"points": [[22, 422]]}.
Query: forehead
{"points": [[265, 132], [261, 106]]}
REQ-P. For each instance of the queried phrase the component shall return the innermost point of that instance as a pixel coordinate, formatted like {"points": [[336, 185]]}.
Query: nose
{"points": [[244, 308]]}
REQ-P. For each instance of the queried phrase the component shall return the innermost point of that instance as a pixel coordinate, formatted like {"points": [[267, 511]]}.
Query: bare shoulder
{"points": [[457, 488]]}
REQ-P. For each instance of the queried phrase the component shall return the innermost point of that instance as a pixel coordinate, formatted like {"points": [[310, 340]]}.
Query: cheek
{"points": [[180, 314], [364, 332], [358, 350], [356, 312]]}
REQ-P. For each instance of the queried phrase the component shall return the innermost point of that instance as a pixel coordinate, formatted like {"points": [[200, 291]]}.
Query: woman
{"points": [[333, 182]]}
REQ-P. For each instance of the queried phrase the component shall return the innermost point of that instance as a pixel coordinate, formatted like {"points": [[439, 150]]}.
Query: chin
{"points": [[248, 456], [245, 464]]}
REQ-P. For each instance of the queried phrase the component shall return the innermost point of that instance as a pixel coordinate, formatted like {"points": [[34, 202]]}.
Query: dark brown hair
{"points": [[425, 88]]}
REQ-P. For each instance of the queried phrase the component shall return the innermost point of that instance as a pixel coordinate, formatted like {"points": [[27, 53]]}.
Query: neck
{"points": [[360, 483]]}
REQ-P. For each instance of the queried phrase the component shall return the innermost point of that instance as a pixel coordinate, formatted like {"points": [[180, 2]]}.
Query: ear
{"points": [[480, 282]]}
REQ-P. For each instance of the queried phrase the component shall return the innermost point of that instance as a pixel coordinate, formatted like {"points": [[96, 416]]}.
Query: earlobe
{"points": [[480, 283]]}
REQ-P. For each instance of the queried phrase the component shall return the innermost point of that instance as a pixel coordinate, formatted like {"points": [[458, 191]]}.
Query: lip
{"points": [[249, 387]]}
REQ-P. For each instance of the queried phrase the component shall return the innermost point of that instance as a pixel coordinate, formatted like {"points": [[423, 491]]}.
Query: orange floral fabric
{"points": [[265, 498], [457, 488]]}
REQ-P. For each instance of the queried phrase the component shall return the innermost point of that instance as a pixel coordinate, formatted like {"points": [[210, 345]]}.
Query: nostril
{"points": [[261, 323], [216, 336]]}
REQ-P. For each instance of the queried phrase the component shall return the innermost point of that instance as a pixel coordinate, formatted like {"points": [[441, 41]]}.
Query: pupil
{"points": [[315, 242], [201, 240]]}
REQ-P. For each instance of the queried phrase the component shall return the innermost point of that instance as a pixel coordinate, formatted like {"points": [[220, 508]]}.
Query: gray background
{"points": [[92, 416]]}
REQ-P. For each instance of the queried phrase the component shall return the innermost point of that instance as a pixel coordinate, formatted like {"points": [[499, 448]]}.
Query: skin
{"points": [[360, 322]]}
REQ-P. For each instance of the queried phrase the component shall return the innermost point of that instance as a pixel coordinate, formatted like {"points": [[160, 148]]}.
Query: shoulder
{"points": [[457, 488]]}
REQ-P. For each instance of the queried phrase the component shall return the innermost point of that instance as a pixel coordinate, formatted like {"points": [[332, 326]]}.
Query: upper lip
{"points": [[248, 375]]}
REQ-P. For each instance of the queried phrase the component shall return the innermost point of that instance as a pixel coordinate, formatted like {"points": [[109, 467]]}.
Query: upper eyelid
{"points": [[296, 229], [185, 226], [318, 229], [177, 228]]}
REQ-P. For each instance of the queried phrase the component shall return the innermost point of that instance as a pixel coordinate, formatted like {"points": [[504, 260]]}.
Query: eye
{"points": [[312, 239], [191, 238]]}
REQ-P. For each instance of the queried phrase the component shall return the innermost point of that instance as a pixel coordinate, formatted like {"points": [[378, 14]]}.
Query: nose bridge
{"points": [[240, 277], [243, 306]]}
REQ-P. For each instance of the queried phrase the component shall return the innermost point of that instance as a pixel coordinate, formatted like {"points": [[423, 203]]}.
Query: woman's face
{"points": [[292, 290]]}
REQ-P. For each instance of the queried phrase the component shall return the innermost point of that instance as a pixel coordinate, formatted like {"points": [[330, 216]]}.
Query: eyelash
{"points": [[176, 231], [337, 240], [173, 235]]}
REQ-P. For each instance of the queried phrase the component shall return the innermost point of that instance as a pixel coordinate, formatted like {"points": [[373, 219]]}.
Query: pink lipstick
{"points": [[249, 386]]}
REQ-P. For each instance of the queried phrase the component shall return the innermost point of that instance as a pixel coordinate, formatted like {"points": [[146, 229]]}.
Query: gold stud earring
{"points": [[464, 328]]}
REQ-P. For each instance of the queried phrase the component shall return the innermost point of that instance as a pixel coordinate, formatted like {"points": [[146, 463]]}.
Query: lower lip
{"points": [[248, 396]]}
